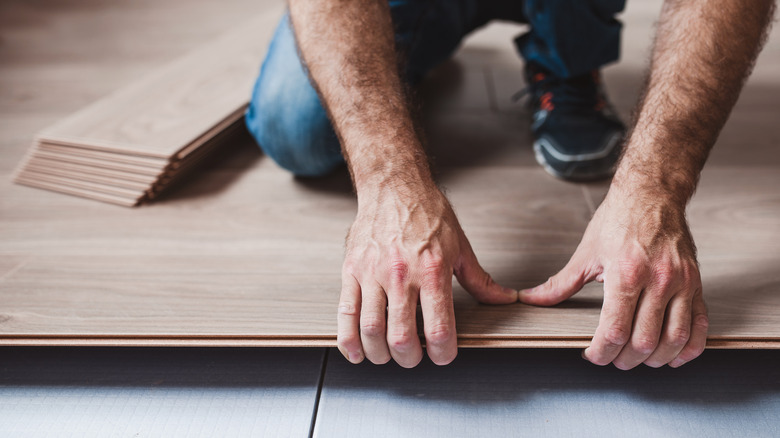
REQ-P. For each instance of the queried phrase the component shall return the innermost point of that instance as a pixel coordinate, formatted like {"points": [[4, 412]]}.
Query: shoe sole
{"points": [[577, 172]]}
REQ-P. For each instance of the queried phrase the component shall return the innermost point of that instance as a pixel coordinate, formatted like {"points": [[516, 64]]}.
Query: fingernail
{"points": [[676, 363], [355, 357], [584, 356]]}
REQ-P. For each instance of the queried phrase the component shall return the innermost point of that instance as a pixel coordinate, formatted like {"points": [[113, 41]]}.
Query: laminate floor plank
{"points": [[77, 191], [29, 175], [245, 254], [98, 163], [81, 176], [271, 286], [163, 113], [86, 169], [155, 163]]}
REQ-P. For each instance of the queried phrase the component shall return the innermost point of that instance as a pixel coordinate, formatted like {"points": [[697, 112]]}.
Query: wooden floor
{"points": [[243, 254]]}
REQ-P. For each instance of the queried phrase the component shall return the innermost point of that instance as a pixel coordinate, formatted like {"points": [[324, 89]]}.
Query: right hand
{"points": [[403, 248]]}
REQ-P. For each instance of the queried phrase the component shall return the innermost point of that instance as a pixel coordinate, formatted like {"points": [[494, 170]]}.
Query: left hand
{"points": [[640, 247]]}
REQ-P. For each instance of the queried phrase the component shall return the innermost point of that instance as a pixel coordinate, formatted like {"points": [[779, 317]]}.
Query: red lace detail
{"points": [[547, 101]]}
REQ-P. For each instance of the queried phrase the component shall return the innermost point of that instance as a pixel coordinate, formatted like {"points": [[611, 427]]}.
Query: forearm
{"points": [[703, 52], [349, 50]]}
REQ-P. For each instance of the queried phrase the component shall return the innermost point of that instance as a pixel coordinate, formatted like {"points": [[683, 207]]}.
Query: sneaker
{"points": [[577, 134]]}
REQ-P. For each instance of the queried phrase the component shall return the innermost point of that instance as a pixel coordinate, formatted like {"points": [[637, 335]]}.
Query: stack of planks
{"points": [[128, 147]]}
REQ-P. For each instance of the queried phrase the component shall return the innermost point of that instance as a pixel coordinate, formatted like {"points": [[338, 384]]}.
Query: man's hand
{"points": [[653, 309], [403, 249], [638, 242]]}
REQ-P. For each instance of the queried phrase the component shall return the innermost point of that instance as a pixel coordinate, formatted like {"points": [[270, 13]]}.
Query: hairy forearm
{"points": [[704, 51], [348, 48]]}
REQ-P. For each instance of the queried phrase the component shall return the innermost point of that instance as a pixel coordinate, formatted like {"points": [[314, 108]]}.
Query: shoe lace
{"points": [[548, 92]]}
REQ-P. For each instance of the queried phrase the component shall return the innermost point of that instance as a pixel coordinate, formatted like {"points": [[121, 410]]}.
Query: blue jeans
{"points": [[286, 117]]}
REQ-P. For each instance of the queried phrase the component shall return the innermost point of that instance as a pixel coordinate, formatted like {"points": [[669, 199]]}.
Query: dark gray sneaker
{"points": [[577, 134]]}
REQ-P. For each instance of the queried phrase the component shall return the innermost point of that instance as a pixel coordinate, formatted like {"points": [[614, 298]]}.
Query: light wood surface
{"points": [[244, 254], [160, 126], [175, 105], [154, 163]]}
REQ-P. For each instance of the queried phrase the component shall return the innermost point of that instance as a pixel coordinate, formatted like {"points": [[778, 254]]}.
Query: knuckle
{"points": [[631, 272], [702, 321], [665, 275], [399, 271], [616, 336], [372, 327], [645, 345], [689, 277], [438, 334], [679, 336], [433, 265], [401, 341], [347, 308]]}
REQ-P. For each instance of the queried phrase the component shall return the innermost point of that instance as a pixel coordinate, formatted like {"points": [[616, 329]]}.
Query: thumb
{"points": [[559, 287], [479, 283]]}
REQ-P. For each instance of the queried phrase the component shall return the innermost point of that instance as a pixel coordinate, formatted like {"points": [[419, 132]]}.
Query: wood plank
{"points": [[273, 290], [155, 163], [81, 176], [246, 255], [90, 194], [98, 163], [171, 108], [45, 163], [29, 174]]}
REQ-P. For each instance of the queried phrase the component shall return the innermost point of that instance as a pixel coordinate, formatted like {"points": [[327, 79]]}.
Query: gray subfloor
{"points": [[125, 392]]}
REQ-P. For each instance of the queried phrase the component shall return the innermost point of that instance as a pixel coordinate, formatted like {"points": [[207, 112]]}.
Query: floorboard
{"points": [[241, 253]]}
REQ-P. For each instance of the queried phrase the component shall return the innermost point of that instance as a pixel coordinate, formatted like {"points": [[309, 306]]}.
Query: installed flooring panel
{"points": [[541, 393], [158, 392], [243, 254]]}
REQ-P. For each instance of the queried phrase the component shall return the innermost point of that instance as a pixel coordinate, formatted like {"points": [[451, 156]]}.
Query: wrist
{"points": [[654, 180]]}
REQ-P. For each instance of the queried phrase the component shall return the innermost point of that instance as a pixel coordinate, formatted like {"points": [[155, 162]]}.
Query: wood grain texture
{"points": [[161, 126], [171, 108], [33, 168], [245, 255], [154, 163]]}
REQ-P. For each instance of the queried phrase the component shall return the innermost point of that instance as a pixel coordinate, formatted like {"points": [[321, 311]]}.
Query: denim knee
{"points": [[285, 115]]}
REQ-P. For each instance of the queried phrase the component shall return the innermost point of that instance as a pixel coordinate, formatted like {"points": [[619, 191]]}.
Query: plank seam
{"points": [[319, 392]]}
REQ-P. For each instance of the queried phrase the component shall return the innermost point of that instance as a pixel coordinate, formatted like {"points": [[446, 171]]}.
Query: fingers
{"points": [[479, 283], [676, 332], [441, 341], [669, 321], [402, 339], [698, 338], [559, 287], [621, 291], [373, 325], [349, 319], [648, 323]]}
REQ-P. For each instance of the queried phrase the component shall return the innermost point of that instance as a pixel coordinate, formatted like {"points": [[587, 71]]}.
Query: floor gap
{"points": [[319, 392]]}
